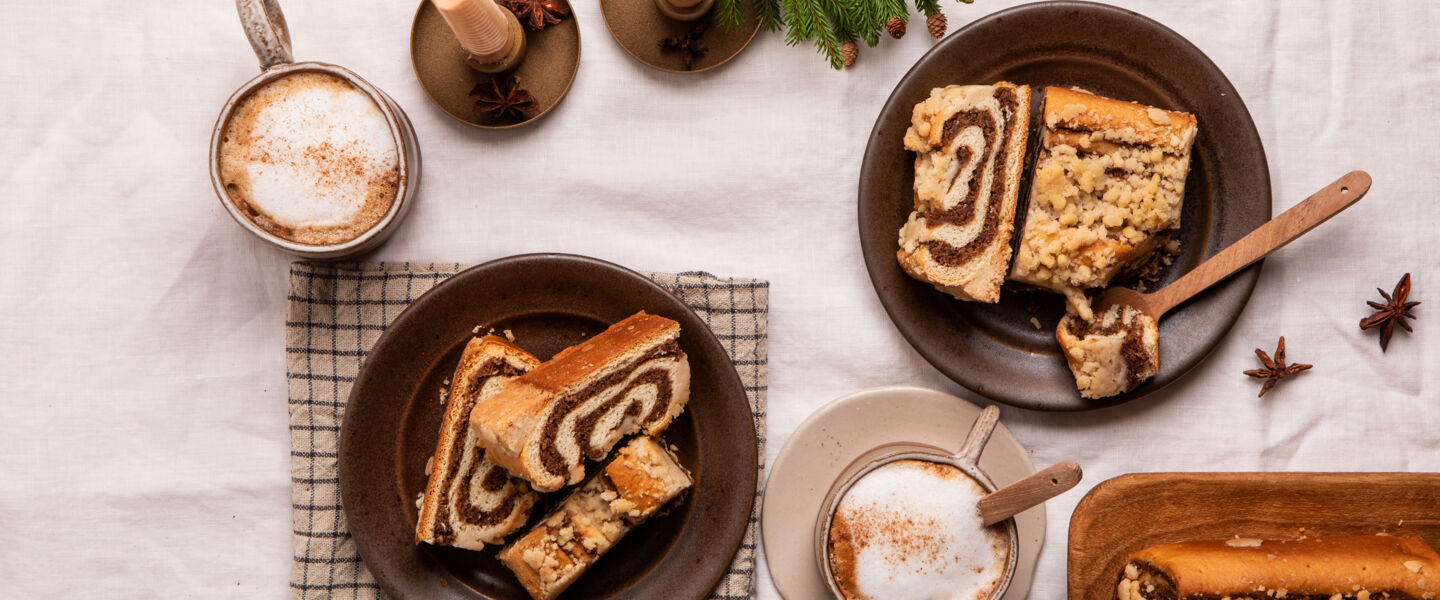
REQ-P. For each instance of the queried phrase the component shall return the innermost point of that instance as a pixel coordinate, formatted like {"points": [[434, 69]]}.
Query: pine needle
{"points": [[808, 21], [730, 14], [768, 13]]}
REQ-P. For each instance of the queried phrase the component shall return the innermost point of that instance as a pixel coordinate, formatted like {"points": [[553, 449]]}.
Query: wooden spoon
{"points": [[1267, 238], [1029, 491]]}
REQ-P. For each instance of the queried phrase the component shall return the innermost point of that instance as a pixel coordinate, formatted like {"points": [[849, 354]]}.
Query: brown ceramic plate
{"points": [[552, 57], [638, 26], [549, 302], [993, 349]]}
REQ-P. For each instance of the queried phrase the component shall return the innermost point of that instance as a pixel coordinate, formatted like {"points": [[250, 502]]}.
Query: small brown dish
{"points": [[993, 349], [639, 26], [548, 302], [552, 57]]}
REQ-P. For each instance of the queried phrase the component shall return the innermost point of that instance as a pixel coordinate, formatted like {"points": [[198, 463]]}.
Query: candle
{"points": [[480, 25]]}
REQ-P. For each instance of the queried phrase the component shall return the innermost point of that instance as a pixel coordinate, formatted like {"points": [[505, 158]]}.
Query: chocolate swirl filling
{"points": [[493, 480], [550, 458], [964, 211]]}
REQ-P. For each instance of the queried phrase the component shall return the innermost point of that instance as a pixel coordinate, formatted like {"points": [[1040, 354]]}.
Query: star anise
{"points": [[1393, 312], [1275, 370], [503, 98], [536, 14], [688, 45]]}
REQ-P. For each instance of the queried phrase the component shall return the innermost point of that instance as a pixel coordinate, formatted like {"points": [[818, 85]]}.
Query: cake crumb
{"points": [[509, 336], [1036, 322]]}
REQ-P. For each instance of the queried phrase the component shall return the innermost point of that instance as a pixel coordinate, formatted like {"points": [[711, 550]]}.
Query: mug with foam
{"points": [[309, 156]]}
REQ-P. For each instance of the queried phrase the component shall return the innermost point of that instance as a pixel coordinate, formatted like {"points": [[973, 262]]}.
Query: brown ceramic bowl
{"points": [[549, 302], [993, 349]]}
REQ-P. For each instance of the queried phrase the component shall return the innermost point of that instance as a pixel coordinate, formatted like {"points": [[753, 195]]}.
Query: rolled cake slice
{"points": [[1109, 183], [1112, 354], [631, 378], [642, 478], [1340, 567], [969, 144], [470, 501]]}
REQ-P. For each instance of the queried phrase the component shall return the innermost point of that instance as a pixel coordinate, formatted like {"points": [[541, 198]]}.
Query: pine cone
{"points": [[895, 27], [848, 51], [936, 24]]}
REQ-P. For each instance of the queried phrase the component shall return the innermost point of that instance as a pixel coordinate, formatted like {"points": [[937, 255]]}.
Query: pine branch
{"points": [[929, 7], [730, 14], [857, 19], [768, 13], [893, 9], [807, 20]]}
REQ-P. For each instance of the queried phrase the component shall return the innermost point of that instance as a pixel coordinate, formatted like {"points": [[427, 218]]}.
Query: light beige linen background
{"points": [[144, 449]]}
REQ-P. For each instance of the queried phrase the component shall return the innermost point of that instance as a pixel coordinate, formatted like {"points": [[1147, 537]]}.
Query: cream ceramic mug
{"points": [[270, 38], [967, 460]]}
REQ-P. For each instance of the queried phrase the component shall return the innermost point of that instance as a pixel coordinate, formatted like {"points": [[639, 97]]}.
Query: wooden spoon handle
{"points": [[1267, 238], [1030, 491]]}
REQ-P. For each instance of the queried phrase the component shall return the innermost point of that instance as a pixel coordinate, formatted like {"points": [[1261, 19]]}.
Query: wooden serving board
{"points": [[1136, 511]]}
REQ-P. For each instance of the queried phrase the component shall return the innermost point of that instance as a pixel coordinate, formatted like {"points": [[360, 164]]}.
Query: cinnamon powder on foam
{"points": [[911, 528]]}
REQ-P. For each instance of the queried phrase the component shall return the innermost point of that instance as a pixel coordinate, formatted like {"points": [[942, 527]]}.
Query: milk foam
{"points": [[308, 152], [917, 534]]}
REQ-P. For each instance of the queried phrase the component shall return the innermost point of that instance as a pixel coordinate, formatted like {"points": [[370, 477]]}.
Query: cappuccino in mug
{"points": [[911, 530], [310, 158]]}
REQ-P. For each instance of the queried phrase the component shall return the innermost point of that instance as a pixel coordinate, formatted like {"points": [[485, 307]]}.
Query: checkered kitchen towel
{"points": [[336, 313]]}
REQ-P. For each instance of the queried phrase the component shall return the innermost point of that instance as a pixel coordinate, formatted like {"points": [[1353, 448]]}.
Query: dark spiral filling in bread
{"points": [[493, 479], [554, 462], [964, 212]]}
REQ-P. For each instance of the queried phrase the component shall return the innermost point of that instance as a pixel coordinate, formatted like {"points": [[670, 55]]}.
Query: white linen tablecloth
{"points": [[143, 440]]}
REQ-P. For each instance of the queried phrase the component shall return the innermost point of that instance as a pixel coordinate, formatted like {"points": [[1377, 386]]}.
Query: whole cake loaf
{"points": [[543, 425], [969, 144], [1109, 183], [470, 501], [1340, 567], [633, 486]]}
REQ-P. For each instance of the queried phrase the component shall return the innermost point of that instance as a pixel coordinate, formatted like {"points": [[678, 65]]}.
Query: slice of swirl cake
{"points": [[470, 501], [1108, 183], [641, 479], [969, 142], [631, 378]]}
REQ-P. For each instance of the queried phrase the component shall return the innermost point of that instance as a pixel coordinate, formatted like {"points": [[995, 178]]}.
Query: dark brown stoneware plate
{"points": [[549, 302], [993, 349]]}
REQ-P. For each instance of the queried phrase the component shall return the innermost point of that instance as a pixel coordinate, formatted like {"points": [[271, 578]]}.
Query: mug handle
{"points": [[265, 26], [975, 441]]}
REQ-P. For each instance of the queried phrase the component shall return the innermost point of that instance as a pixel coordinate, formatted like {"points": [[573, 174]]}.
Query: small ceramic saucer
{"points": [[638, 26], [552, 57], [836, 435]]}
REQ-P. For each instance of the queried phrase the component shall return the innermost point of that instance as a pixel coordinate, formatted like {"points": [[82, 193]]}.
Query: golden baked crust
{"points": [[969, 144], [641, 479], [1342, 566], [1108, 184]]}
